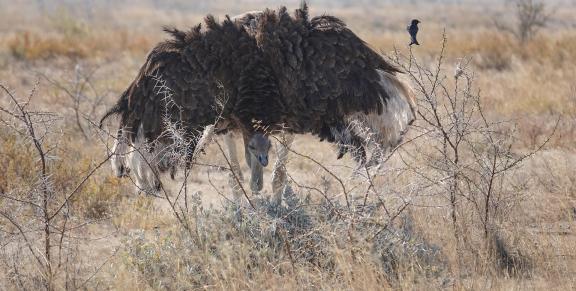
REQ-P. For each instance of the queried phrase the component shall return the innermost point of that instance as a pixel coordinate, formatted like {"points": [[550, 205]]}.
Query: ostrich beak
{"points": [[263, 160], [124, 172]]}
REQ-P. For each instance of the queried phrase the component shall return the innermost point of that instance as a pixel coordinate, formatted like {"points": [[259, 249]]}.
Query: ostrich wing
{"points": [[323, 68]]}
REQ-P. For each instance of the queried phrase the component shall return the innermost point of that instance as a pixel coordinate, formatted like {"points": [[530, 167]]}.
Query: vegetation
{"points": [[482, 194]]}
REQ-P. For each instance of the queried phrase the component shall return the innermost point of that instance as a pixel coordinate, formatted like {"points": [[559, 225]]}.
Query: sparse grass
{"points": [[30, 46], [98, 197]]}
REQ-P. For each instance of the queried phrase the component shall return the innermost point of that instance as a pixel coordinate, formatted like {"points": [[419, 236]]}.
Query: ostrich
{"points": [[332, 84], [235, 73], [191, 81]]}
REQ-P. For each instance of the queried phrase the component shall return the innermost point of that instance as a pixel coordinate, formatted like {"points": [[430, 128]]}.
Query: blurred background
{"points": [[53, 36]]}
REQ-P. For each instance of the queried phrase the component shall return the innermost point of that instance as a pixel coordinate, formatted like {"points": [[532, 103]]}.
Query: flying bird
{"points": [[413, 30]]}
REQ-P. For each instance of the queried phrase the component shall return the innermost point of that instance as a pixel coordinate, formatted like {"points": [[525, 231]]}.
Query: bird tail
{"points": [[120, 107]]}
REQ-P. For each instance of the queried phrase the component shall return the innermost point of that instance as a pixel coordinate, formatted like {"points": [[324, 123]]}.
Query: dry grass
{"points": [[529, 84], [29, 46]]}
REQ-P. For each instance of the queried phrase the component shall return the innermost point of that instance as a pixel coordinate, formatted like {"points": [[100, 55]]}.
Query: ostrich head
{"points": [[117, 159], [258, 147]]}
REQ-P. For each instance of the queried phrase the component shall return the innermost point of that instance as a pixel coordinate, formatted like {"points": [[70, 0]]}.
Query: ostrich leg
{"points": [[233, 155], [279, 176], [119, 152], [235, 167]]}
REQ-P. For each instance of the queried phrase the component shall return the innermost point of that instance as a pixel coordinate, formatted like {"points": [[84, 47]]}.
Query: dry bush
{"points": [[30, 46], [470, 161], [531, 16], [397, 229], [96, 199], [298, 243], [70, 37], [459, 173], [83, 95], [305, 231], [41, 231]]}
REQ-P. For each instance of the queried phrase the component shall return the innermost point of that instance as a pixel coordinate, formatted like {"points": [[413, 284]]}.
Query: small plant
{"points": [[68, 25], [467, 158], [30, 46], [36, 208], [531, 16]]}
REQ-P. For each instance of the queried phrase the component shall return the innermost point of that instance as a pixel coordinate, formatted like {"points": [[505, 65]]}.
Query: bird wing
{"points": [[324, 69], [167, 88]]}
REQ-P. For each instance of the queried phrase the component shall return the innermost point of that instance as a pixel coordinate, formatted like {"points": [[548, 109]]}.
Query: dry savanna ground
{"points": [[481, 196]]}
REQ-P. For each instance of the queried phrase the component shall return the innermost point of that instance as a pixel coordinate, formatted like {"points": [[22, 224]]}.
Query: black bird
{"points": [[413, 30]]}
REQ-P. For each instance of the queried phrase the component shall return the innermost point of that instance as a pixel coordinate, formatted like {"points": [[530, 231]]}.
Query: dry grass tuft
{"points": [[31, 46]]}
